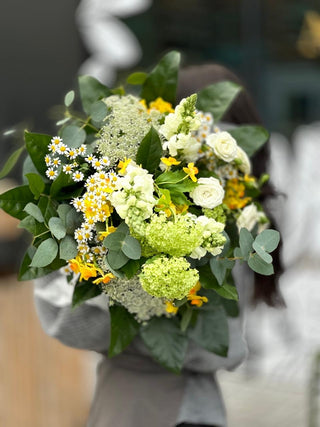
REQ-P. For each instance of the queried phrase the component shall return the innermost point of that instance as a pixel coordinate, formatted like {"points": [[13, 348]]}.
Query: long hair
{"points": [[242, 111]]}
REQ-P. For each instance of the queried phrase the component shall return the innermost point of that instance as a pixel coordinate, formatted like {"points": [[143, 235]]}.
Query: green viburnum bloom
{"points": [[170, 278], [217, 213], [176, 238]]}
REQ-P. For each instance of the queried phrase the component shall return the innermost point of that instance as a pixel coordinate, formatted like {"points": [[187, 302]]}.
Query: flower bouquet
{"points": [[150, 203]]}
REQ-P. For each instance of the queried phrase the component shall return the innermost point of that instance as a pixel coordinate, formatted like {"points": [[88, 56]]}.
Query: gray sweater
{"points": [[132, 390]]}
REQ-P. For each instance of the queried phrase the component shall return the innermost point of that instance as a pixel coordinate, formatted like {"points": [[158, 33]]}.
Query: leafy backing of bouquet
{"points": [[150, 204]]}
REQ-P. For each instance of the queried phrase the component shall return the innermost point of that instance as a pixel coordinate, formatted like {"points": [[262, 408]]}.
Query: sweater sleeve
{"points": [[84, 327]]}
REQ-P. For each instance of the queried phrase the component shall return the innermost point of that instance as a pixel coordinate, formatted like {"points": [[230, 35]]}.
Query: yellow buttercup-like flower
{"points": [[122, 165], [170, 308], [170, 161], [194, 298], [161, 105], [191, 171]]}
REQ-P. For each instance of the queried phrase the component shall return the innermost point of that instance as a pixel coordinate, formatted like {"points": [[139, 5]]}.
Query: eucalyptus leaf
{"points": [[30, 273], [257, 264], [57, 228], [68, 248], [28, 167], [14, 201], [99, 111], [219, 268], [84, 291], [117, 259], [36, 184], [217, 98], [91, 90], [63, 211], [245, 242], [47, 207], [34, 227], [11, 162], [250, 138], [73, 220], [150, 151], [162, 81], [131, 247], [69, 98], [45, 253], [166, 342], [123, 329], [262, 253], [114, 241], [73, 136], [34, 211], [268, 240]]}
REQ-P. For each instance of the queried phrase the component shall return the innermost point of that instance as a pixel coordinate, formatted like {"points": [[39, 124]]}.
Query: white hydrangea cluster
{"points": [[64, 158], [134, 190], [213, 239], [130, 294], [126, 125], [178, 130]]}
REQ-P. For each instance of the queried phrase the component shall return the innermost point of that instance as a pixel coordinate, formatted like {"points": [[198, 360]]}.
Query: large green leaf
{"points": [[11, 162], [166, 342], [123, 329], [14, 201], [245, 241], [250, 138], [116, 259], [57, 227], [162, 81], [226, 291], [175, 181], [91, 90], [131, 247], [47, 207], [211, 330], [29, 273], [45, 253], [217, 98], [257, 264], [84, 291], [68, 248], [268, 240], [150, 151], [36, 184], [37, 147], [137, 78], [219, 267], [34, 227], [34, 211]]}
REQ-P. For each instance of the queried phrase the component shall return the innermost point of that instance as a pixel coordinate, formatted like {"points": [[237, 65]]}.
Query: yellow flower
{"points": [[103, 234], [74, 264], [104, 279], [122, 165], [171, 308], [235, 194], [195, 299], [170, 161], [191, 171], [144, 103], [161, 105]]}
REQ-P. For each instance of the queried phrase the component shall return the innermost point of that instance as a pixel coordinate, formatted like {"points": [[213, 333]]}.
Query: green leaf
{"points": [[219, 268], [63, 211], [268, 240], [91, 90], [73, 136], [137, 78], [226, 291], [231, 307], [123, 329], [250, 138], [207, 279], [59, 185], [37, 147], [73, 220], [211, 331], [217, 98], [166, 342], [150, 151], [11, 162], [245, 242], [45, 253], [258, 265], [36, 184], [57, 228], [34, 227], [262, 253], [186, 318], [34, 211], [162, 81], [68, 248], [176, 182], [29, 273], [47, 207], [84, 291], [114, 241], [131, 268], [14, 201], [116, 259], [99, 111], [69, 98], [131, 247], [28, 167]]}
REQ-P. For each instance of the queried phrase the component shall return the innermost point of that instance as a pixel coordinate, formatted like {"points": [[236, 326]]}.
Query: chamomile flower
{"points": [[79, 235], [51, 173], [48, 160], [77, 204], [71, 153], [56, 140], [55, 162], [105, 161], [82, 150], [53, 148], [83, 248], [68, 168], [77, 176], [62, 149], [97, 164], [89, 158]]}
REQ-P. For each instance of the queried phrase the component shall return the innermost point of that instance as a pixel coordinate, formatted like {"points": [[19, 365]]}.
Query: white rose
{"points": [[245, 165], [248, 217], [208, 194], [224, 145]]}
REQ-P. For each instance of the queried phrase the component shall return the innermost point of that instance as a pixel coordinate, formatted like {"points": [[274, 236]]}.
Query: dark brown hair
{"points": [[242, 111]]}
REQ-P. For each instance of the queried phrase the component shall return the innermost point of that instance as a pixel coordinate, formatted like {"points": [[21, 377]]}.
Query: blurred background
{"points": [[274, 46]]}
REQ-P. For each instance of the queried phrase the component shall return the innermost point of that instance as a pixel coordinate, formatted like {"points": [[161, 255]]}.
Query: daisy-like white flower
{"points": [[62, 149], [105, 161], [82, 150], [97, 164], [77, 176], [53, 148], [56, 162], [79, 235], [72, 153], [68, 169], [89, 158], [51, 173], [56, 140], [48, 160], [77, 204], [83, 248]]}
